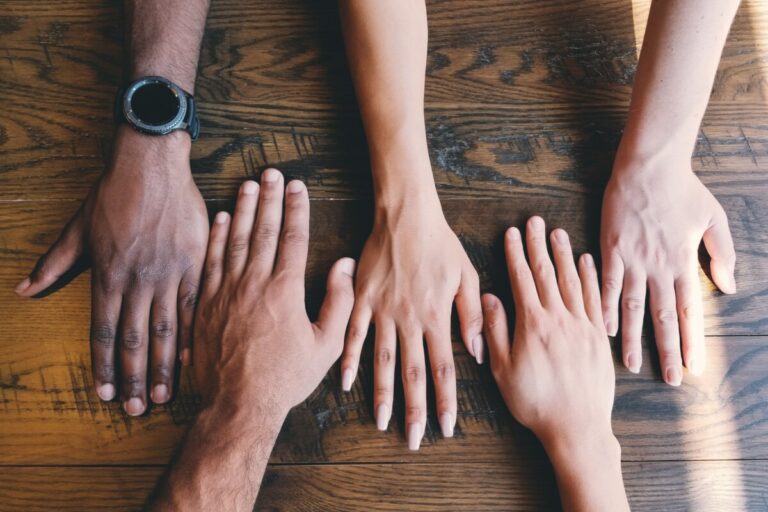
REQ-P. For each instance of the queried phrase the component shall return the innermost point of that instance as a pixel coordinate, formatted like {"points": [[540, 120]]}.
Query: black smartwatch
{"points": [[156, 106]]}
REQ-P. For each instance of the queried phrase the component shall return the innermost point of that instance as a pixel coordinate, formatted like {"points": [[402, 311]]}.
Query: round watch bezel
{"points": [[153, 129]]}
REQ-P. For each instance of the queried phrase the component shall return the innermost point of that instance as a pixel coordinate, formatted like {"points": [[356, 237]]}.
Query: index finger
{"points": [[520, 277]]}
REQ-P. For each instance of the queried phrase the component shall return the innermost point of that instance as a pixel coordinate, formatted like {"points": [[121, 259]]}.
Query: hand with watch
{"points": [[143, 229]]}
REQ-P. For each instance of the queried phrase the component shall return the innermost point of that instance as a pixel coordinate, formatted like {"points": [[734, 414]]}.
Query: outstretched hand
{"points": [[144, 228]]}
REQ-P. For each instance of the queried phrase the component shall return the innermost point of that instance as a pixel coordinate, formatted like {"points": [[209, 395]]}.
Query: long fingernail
{"points": [[446, 424], [106, 392], [414, 436], [633, 362], [673, 376], [23, 285], [160, 394], [347, 377], [186, 357], [134, 406], [382, 417], [477, 348], [731, 284]]}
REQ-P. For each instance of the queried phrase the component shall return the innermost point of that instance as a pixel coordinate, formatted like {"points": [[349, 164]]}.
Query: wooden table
{"points": [[525, 104]]}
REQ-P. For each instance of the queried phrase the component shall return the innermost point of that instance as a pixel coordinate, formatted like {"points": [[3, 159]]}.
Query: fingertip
{"points": [[295, 187], [221, 218], [489, 301], [22, 286], [346, 266], [536, 223], [249, 188], [513, 234], [559, 236], [271, 175], [587, 261]]}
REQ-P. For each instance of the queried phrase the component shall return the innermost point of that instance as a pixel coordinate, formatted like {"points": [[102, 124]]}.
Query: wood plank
{"points": [[534, 99], [703, 486], [49, 412]]}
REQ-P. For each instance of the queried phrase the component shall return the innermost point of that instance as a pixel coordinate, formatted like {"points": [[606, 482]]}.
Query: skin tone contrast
{"points": [[143, 228], [656, 212], [251, 369], [413, 267], [556, 374]]}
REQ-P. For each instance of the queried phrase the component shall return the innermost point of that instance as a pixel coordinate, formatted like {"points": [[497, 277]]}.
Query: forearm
{"points": [[588, 472], [164, 39], [677, 66], [387, 50], [222, 461]]}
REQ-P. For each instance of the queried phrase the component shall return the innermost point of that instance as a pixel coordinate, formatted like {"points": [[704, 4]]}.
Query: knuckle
{"points": [[357, 333], [666, 316], [612, 284], [572, 283], [105, 372], [103, 334], [295, 236], [265, 232], [444, 370], [633, 304], [238, 245], [412, 411], [163, 330], [382, 394], [212, 269], [413, 374], [384, 357], [132, 340], [133, 384], [189, 297], [162, 372]]}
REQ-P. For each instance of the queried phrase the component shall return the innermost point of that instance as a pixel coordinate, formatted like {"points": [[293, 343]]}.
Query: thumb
{"points": [[337, 306], [61, 256], [719, 244]]}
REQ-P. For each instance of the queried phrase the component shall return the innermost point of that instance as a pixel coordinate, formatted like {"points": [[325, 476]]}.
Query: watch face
{"points": [[155, 105]]}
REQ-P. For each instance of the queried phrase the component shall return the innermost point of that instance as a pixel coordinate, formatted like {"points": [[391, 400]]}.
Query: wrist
{"points": [[226, 419], [141, 153], [583, 452]]}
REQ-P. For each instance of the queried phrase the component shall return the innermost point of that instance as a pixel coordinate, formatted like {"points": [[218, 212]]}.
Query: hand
{"points": [[144, 228], [557, 375], [652, 225], [256, 350], [412, 269]]}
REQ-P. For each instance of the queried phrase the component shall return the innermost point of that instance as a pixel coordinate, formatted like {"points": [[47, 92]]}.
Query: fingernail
{"points": [[589, 261], [347, 266], [477, 348], [221, 217], [414, 436], [249, 188], [270, 175], [382, 417], [561, 236], [536, 223], [446, 424], [134, 406], [695, 366], [513, 234], [731, 284], [186, 357], [106, 392], [633, 362], [294, 187], [610, 327], [673, 376], [23, 285], [347, 377], [160, 394]]}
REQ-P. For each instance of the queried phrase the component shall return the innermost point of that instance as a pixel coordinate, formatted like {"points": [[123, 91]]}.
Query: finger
{"points": [[719, 244], [567, 277], [337, 305], [214, 259], [443, 372], [133, 351], [541, 265], [358, 330], [294, 239], [470, 312], [665, 327], [268, 221], [384, 350], [613, 278], [591, 289], [61, 256], [240, 232], [105, 314], [414, 375], [520, 277], [632, 310], [691, 315], [496, 330], [163, 344], [186, 304]]}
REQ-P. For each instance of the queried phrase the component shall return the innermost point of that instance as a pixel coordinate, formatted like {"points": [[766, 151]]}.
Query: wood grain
{"points": [[710, 486]]}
